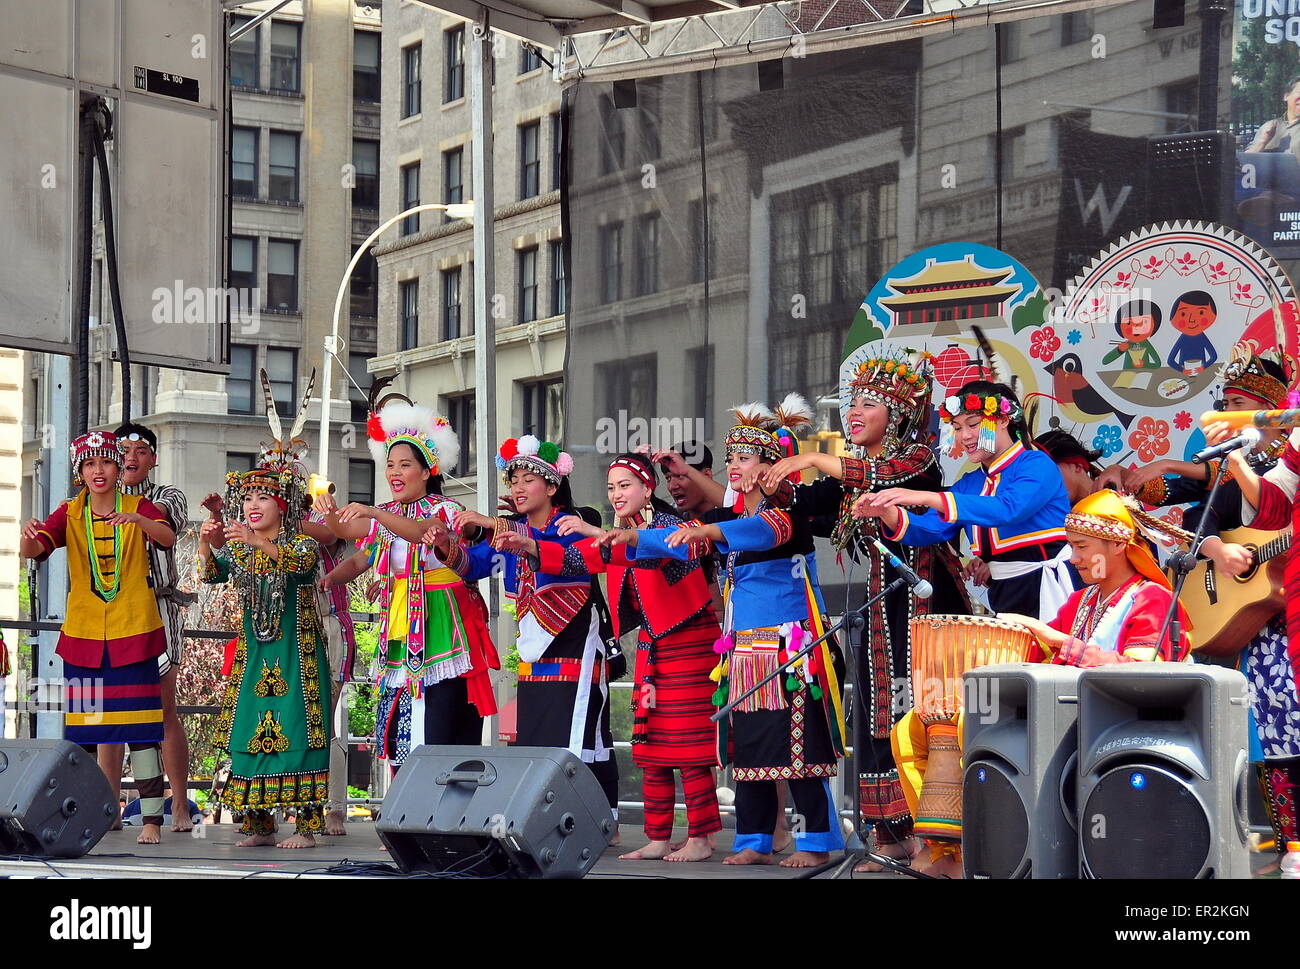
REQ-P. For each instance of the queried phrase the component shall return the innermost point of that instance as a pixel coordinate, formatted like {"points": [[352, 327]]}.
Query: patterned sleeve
{"points": [[301, 555], [171, 500], [216, 568], [1173, 490], [869, 473], [1277, 490], [149, 510]]}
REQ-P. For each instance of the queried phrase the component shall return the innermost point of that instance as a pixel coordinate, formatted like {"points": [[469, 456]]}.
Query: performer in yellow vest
{"points": [[113, 633]]}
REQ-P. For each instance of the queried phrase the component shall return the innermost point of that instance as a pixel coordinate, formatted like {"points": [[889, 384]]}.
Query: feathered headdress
{"points": [[282, 469], [1248, 373], [770, 434], [399, 421]]}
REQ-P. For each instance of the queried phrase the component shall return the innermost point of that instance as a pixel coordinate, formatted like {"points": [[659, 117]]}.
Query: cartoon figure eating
{"points": [[1136, 321]]}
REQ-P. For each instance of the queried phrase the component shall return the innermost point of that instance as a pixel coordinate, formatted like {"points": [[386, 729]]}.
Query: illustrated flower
{"points": [[1241, 290], [1173, 517], [1123, 280], [1074, 336], [1044, 344], [1108, 440], [1151, 439], [1186, 261], [1153, 264], [1182, 420]]}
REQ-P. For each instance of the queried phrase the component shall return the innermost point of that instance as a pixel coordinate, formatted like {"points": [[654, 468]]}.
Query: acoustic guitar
{"points": [[1228, 611]]}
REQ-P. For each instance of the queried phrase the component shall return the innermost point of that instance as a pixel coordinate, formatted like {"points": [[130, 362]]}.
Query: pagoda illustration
{"points": [[945, 297]]}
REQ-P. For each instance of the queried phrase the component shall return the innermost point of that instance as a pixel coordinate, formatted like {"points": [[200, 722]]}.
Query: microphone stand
{"points": [[855, 849], [1182, 564]]}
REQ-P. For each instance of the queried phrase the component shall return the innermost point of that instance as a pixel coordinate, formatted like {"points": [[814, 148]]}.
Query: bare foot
{"points": [[782, 839], [747, 857], [256, 841], [150, 834], [651, 852], [181, 821], [618, 836], [298, 840], [334, 824], [695, 849], [806, 859], [901, 851], [945, 866], [713, 842]]}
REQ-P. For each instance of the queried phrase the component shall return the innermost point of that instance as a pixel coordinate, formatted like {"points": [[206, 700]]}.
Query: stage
{"points": [[215, 856]]}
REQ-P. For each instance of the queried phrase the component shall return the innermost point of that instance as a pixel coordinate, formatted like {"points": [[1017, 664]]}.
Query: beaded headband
{"points": [[528, 452], [92, 444], [637, 469], [1097, 526], [1244, 373]]}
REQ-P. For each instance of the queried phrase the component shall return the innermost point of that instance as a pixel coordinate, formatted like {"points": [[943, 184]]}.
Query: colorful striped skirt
{"points": [[112, 705], [677, 730]]}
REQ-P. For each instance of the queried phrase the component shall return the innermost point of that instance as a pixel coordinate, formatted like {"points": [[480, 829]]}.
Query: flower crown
{"points": [[989, 407], [543, 457]]}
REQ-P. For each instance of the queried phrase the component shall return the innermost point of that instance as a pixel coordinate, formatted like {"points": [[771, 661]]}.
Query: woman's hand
{"points": [[751, 478], [471, 519], [576, 525], [436, 534], [671, 461], [32, 529], [618, 536], [1236, 560], [773, 476], [215, 505], [683, 536], [511, 541], [1112, 478], [125, 518], [355, 511], [1135, 478], [325, 504], [240, 532], [977, 571]]}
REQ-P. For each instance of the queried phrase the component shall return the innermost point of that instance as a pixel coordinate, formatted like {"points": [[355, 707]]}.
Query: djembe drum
{"points": [[943, 648]]}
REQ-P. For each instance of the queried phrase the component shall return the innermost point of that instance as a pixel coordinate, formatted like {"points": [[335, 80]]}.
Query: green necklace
{"points": [[106, 592]]}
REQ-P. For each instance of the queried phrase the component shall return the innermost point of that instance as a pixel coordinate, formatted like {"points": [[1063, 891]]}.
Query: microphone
{"points": [[920, 587], [1248, 438]]}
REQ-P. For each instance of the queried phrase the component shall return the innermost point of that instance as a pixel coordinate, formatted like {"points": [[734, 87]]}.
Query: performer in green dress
{"points": [[273, 716]]}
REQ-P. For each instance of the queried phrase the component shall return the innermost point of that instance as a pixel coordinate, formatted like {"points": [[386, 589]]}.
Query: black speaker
{"points": [[1163, 772], [1019, 782], [55, 802], [495, 812]]}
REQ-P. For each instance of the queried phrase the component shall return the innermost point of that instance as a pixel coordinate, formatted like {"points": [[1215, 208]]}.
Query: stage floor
{"points": [[215, 856]]}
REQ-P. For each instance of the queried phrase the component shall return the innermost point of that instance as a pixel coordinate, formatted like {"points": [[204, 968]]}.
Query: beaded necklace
{"points": [[106, 591]]}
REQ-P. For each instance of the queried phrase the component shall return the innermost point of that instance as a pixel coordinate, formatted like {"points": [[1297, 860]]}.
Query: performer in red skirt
{"points": [[672, 698]]}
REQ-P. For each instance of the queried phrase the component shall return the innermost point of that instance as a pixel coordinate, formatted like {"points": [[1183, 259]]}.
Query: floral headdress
{"points": [[1245, 373], [92, 444], [401, 422], [282, 464], [990, 407], [900, 381], [543, 457], [770, 434]]}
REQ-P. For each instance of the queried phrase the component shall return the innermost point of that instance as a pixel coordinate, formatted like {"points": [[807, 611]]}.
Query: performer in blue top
{"points": [[1013, 506], [792, 729], [563, 692]]}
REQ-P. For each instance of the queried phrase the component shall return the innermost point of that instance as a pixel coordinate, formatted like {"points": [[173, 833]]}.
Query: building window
{"points": [[530, 160], [239, 383], [361, 481], [410, 197], [365, 65], [363, 288], [1013, 153], [284, 167], [360, 378], [527, 293], [611, 262], [1076, 27], [282, 275], [246, 56], [460, 413], [699, 369], [559, 281], [243, 162], [704, 241], [282, 371], [410, 295], [613, 138], [705, 109], [411, 80], [647, 254], [365, 162], [240, 461], [243, 267], [628, 385], [530, 58], [453, 82], [1181, 101], [557, 151], [286, 41], [544, 409], [453, 178], [451, 304], [649, 100]]}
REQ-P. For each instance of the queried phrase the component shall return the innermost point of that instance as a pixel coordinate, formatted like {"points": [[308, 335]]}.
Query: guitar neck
{"points": [[1275, 547]]}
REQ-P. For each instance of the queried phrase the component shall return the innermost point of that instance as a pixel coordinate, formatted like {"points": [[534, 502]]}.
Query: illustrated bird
{"points": [[1079, 402]]}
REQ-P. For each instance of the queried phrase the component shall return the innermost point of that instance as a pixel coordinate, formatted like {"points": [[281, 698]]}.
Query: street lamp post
{"points": [[457, 210]]}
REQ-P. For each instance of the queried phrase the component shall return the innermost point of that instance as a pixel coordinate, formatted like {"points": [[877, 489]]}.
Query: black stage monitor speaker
{"points": [[492, 812], [55, 802], [1163, 772], [1019, 782]]}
